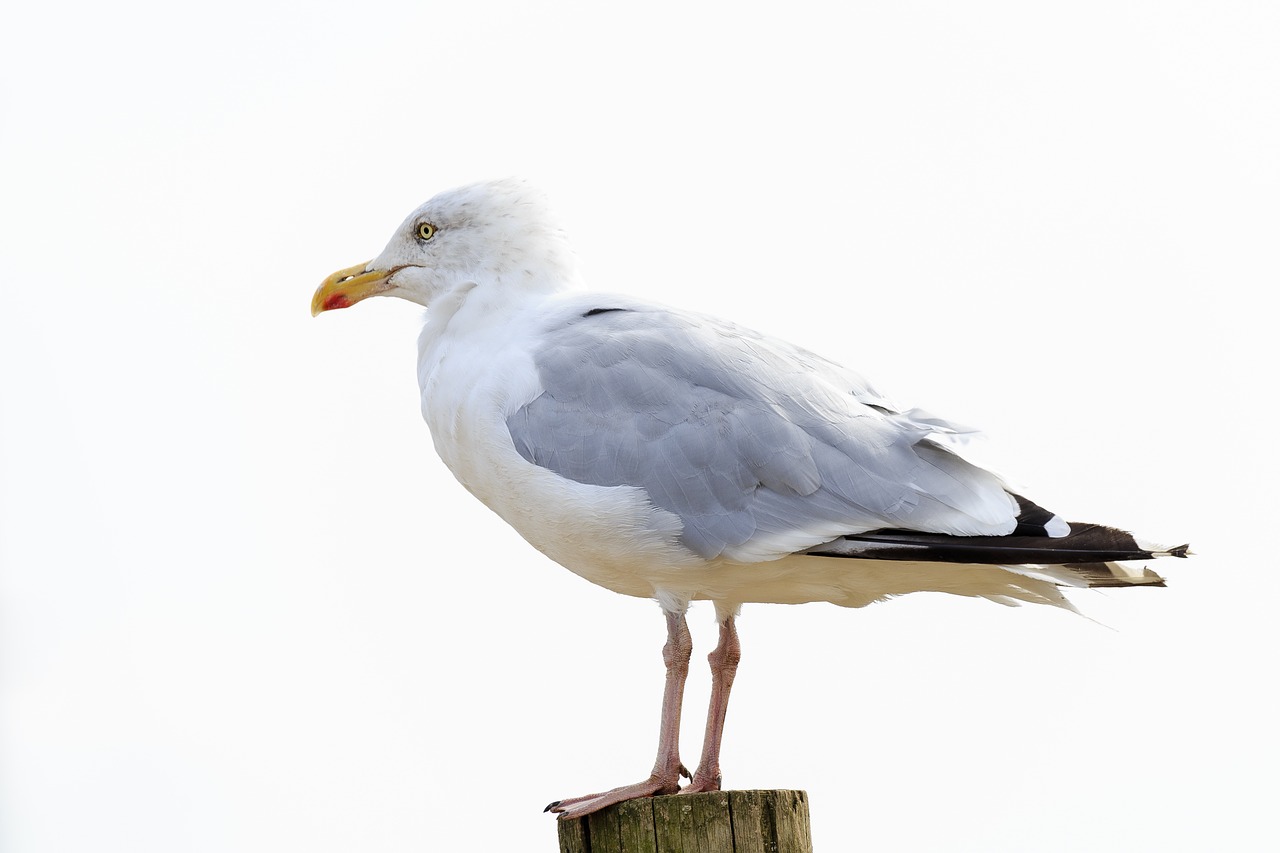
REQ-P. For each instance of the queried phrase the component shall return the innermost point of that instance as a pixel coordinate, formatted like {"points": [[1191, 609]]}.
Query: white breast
{"points": [[474, 369]]}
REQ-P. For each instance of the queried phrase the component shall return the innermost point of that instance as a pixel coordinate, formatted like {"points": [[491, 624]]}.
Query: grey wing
{"points": [[760, 448]]}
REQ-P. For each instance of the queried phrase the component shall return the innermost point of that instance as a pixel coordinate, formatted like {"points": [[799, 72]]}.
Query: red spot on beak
{"points": [[337, 300]]}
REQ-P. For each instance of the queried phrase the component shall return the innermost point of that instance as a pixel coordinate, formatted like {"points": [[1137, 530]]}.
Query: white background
{"points": [[243, 607]]}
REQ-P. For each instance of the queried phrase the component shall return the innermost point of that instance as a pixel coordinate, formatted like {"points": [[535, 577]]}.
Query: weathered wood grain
{"points": [[716, 822]]}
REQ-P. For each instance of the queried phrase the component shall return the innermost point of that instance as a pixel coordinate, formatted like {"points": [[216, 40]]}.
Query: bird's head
{"points": [[494, 234]]}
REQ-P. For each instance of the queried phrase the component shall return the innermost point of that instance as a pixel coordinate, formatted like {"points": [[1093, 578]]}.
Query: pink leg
{"points": [[724, 664], [665, 778]]}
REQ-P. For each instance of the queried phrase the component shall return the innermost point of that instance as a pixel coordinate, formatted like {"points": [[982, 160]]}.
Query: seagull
{"points": [[675, 456]]}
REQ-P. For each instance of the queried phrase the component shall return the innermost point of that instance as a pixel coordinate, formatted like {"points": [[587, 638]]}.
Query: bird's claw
{"points": [[575, 807], [701, 783]]}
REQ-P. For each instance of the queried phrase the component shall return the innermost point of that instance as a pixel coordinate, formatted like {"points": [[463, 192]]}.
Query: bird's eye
{"points": [[426, 231]]}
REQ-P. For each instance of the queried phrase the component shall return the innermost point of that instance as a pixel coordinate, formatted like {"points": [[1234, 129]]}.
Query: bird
{"points": [[675, 456]]}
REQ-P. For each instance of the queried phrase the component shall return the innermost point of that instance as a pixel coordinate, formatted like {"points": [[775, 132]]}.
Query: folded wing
{"points": [[761, 449]]}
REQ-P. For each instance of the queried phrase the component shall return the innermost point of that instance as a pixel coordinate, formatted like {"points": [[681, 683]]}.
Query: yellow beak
{"points": [[347, 287]]}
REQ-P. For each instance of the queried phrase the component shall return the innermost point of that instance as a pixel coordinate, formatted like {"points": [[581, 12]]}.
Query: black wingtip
{"points": [[1180, 551]]}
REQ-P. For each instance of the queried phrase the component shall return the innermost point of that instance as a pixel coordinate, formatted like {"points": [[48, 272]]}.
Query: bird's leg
{"points": [[667, 769], [724, 664]]}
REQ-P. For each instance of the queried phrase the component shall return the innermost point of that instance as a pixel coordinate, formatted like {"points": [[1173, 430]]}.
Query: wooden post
{"points": [[718, 822]]}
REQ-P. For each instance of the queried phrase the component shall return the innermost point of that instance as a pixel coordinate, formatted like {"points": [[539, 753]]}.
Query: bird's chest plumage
{"points": [[470, 385]]}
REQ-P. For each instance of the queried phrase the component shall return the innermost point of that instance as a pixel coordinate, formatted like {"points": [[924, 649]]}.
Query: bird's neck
{"points": [[477, 305], [483, 317]]}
